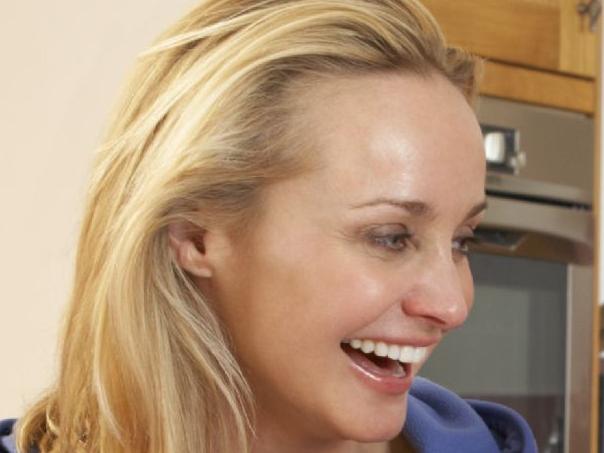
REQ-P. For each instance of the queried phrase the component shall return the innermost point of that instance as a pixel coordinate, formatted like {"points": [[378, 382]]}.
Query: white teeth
{"points": [[394, 352], [381, 349], [404, 354], [407, 354], [367, 346], [420, 353]]}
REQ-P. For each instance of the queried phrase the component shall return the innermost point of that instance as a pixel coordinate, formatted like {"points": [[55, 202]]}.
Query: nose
{"points": [[442, 294]]}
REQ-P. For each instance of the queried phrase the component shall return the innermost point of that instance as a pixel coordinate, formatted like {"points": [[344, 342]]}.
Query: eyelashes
{"points": [[397, 239], [463, 245], [391, 238]]}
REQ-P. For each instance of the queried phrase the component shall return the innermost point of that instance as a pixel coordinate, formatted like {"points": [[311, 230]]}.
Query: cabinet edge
{"points": [[539, 87]]}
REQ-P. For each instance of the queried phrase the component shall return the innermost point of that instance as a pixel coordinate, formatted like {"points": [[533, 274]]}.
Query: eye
{"points": [[392, 238], [462, 244]]}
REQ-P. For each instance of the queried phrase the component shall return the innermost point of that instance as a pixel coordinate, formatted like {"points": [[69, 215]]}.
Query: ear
{"points": [[187, 242]]}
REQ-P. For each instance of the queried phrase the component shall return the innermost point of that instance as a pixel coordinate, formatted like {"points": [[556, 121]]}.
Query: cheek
{"points": [[363, 297], [345, 295]]}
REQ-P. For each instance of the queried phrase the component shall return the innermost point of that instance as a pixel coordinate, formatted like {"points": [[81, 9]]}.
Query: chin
{"points": [[378, 427]]}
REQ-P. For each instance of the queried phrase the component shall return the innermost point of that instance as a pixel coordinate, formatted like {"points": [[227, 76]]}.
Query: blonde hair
{"points": [[205, 124]]}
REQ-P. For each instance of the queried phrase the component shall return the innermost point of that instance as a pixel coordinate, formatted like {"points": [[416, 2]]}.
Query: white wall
{"points": [[62, 63]]}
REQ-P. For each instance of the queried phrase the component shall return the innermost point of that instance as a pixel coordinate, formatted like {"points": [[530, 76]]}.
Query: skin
{"points": [[340, 252]]}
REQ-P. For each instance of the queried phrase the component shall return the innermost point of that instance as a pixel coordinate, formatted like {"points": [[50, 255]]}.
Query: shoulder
{"points": [[7, 439], [439, 421]]}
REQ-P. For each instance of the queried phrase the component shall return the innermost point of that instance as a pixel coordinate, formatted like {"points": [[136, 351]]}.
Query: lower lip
{"points": [[389, 385]]}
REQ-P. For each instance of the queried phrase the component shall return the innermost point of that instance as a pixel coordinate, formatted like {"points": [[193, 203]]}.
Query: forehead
{"points": [[389, 134]]}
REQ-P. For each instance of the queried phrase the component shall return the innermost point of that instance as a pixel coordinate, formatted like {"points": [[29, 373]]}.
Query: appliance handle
{"points": [[574, 225]]}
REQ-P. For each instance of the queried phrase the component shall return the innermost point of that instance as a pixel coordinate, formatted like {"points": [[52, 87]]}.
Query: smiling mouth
{"points": [[382, 359]]}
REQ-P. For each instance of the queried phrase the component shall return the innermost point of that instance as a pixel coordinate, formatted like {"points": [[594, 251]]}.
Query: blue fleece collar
{"points": [[439, 421], [7, 437]]}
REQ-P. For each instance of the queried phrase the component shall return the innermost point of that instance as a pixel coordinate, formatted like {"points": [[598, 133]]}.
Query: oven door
{"points": [[528, 340]]}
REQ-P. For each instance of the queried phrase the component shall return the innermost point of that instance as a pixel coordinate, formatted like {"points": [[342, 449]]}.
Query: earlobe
{"points": [[187, 243]]}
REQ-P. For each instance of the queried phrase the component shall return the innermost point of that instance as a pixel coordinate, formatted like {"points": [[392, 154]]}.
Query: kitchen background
{"points": [[63, 63]]}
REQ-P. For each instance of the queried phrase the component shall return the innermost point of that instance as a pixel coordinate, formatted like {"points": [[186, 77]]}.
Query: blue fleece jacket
{"points": [[438, 421]]}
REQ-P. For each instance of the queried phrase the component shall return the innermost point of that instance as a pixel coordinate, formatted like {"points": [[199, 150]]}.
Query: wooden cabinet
{"points": [[537, 51], [578, 52]]}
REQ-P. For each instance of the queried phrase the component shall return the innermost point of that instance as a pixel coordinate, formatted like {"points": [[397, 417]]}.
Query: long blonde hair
{"points": [[206, 122]]}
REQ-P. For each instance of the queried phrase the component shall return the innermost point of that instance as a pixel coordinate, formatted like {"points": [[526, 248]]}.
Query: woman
{"points": [[275, 241]]}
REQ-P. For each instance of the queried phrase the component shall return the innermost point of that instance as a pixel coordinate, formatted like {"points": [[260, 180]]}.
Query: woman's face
{"points": [[370, 247]]}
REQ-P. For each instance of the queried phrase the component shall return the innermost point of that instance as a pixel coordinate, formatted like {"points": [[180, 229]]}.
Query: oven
{"points": [[528, 340]]}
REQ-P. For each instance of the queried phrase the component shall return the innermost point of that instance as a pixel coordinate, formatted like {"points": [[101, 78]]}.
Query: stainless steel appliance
{"points": [[528, 340]]}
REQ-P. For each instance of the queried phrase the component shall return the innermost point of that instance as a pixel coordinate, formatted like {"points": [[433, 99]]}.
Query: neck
{"points": [[277, 439], [270, 446], [276, 434]]}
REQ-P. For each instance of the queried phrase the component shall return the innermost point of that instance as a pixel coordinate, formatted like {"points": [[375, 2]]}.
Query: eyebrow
{"points": [[477, 209], [417, 208]]}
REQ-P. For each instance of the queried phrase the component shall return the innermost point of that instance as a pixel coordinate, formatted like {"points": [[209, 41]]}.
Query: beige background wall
{"points": [[61, 64]]}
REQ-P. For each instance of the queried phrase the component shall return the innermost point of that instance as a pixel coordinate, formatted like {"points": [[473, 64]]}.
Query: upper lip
{"points": [[417, 342]]}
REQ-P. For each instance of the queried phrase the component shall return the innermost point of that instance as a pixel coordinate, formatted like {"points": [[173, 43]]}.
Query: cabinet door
{"points": [[578, 42], [543, 34]]}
